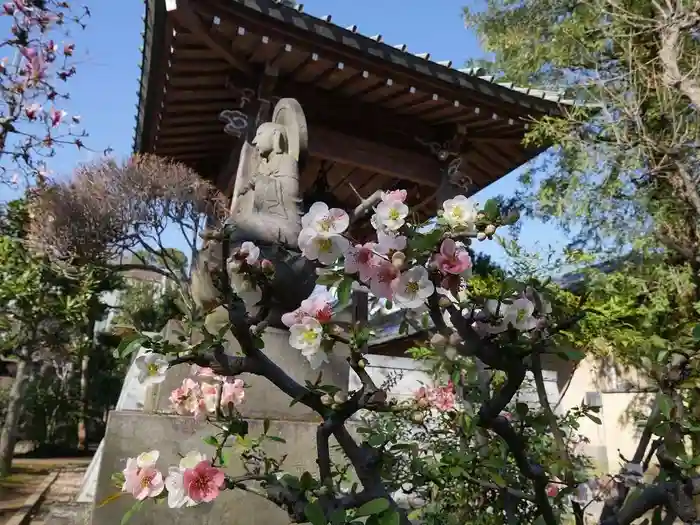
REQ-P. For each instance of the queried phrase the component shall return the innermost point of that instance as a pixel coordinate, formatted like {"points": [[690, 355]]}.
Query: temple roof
{"points": [[385, 114]]}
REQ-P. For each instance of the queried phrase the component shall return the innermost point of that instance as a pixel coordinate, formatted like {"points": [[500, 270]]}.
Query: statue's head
{"points": [[270, 138]]}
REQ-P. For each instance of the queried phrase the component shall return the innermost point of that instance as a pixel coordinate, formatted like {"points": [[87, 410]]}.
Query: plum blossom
{"points": [[251, 252], [453, 259], [381, 284], [203, 483], [388, 242], [187, 399], [203, 371], [232, 392], [32, 111], [318, 305], [56, 116], [440, 397], [324, 247], [307, 335], [363, 260], [519, 314], [395, 195], [141, 478], [459, 212], [323, 220], [412, 288], [390, 215], [152, 368], [175, 481]]}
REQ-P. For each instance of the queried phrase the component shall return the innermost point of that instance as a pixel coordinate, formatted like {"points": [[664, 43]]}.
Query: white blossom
{"points": [[323, 220], [459, 212], [412, 288], [324, 247], [152, 368], [390, 215], [252, 251], [307, 335]]}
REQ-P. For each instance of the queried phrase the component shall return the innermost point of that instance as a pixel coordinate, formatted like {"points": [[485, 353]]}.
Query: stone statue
{"points": [[273, 214], [268, 210]]}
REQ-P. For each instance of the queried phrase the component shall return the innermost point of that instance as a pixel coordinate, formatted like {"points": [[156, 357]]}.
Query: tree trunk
{"points": [[84, 403], [8, 435]]}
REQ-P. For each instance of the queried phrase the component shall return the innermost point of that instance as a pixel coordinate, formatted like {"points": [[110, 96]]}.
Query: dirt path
{"points": [[60, 500], [27, 476]]}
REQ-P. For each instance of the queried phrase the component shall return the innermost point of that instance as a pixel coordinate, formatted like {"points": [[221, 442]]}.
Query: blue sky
{"points": [[104, 93]]}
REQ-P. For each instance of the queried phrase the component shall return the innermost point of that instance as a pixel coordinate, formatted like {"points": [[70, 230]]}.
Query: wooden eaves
{"points": [[379, 116]]}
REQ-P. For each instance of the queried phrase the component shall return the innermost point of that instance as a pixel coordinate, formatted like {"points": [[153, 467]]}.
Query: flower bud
{"points": [[445, 302], [362, 363], [418, 417], [490, 229], [340, 397], [480, 216], [480, 236], [326, 399], [438, 341], [267, 266], [398, 260]]}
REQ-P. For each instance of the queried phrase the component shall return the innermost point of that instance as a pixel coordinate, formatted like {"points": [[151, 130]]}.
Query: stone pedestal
{"points": [[130, 432]]}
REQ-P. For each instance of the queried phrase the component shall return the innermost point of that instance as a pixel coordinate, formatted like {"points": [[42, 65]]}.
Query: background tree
{"points": [[33, 123], [623, 180]]}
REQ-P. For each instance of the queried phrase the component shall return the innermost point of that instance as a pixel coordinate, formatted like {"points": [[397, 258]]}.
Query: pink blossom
{"points": [[441, 397], [203, 482], [35, 65], [203, 371], [9, 8], [233, 392], [507, 415], [32, 110], [318, 306], [452, 259], [552, 490], [362, 259], [142, 483], [56, 116], [15, 179], [51, 46], [68, 49], [188, 399], [395, 195], [381, 283]]}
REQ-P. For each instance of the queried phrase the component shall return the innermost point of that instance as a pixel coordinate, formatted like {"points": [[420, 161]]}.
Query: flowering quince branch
{"points": [[501, 337]]}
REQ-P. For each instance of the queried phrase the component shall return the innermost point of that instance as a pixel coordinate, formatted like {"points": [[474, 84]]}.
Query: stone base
{"points": [[129, 433]]}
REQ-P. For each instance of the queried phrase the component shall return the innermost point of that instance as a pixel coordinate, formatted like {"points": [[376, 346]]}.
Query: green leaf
{"points": [[375, 506], [343, 291], [129, 513], [314, 513], [129, 344], [276, 438], [390, 517], [593, 418], [211, 440], [491, 208]]}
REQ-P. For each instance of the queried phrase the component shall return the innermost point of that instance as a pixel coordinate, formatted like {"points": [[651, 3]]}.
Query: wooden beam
{"points": [[392, 162], [184, 13]]}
